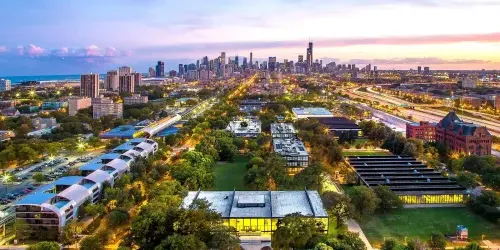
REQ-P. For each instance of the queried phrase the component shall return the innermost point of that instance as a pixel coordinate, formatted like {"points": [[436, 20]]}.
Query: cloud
{"points": [[3, 49], [421, 61], [110, 51]]}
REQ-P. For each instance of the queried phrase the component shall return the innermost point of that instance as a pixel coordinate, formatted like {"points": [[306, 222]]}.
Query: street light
{"points": [[5, 180]]}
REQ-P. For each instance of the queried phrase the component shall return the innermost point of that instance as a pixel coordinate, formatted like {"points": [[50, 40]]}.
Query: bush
{"points": [[118, 217], [45, 245]]}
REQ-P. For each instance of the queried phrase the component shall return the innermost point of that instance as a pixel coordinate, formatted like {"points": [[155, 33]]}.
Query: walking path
{"points": [[353, 226]]}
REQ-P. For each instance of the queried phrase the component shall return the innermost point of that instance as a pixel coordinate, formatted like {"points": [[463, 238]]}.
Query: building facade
{"points": [[245, 128], [135, 99], [302, 113], [257, 213], [76, 103], [89, 85], [43, 123], [104, 106], [5, 85], [124, 70], [424, 131], [283, 130], [111, 80], [293, 151], [463, 137], [126, 83], [160, 69]]}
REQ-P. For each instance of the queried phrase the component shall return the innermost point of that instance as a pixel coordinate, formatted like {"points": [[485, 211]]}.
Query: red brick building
{"points": [[458, 135], [463, 137], [424, 131]]}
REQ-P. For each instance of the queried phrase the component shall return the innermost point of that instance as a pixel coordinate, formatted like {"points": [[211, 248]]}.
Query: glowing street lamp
{"points": [[17, 95], [81, 145]]}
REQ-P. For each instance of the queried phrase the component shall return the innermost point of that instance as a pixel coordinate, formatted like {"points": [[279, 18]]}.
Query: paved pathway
{"points": [[353, 226]]}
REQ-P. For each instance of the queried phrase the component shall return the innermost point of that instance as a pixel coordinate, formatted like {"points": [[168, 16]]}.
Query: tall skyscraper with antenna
{"points": [[310, 55]]}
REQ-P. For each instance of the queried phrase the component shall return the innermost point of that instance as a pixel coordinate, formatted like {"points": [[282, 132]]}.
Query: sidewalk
{"points": [[353, 226]]}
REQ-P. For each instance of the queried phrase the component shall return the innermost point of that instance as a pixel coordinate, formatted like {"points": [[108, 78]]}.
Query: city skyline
{"points": [[70, 37]]}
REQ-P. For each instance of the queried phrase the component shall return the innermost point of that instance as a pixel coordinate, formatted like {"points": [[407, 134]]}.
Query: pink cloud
{"points": [[62, 52], [34, 50], [127, 53], [3, 49], [111, 51], [92, 50]]}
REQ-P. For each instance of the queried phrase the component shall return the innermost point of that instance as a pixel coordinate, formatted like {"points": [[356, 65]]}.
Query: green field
{"points": [[364, 153], [420, 222], [229, 175]]}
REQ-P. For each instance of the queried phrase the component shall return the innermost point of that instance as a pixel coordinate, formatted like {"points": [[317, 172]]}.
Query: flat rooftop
{"points": [[282, 128], [260, 204], [403, 175], [334, 123], [289, 147], [253, 126], [317, 111]]}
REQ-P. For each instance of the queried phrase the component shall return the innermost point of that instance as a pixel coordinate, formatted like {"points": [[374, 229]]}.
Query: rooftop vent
{"points": [[251, 201]]}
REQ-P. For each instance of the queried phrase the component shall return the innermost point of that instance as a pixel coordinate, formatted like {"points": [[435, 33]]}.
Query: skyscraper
{"points": [[237, 61], [181, 70], [272, 63], [123, 70], [152, 72], [301, 58], [89, 85], [197, 64], [251, 59], [127, 83], [223, 58], [4, 85], [205, 62], [160, 69], [111, 80], [419, 70], [310, 55], [427, 71], [245, 64]]}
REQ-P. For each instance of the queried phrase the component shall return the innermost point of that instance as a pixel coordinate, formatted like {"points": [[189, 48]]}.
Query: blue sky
{"points": [[75, 36]]}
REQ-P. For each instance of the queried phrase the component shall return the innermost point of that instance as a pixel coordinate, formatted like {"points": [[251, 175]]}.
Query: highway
{"points": [[419, 113]]}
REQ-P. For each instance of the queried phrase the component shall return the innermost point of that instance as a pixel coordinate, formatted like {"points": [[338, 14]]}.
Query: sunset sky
{"points": [[76, 36]]}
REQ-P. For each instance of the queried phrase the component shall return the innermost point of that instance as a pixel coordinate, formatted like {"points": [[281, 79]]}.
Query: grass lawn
{"points": [[360, 141], [229, 175], [420, 222], [364, 153]]}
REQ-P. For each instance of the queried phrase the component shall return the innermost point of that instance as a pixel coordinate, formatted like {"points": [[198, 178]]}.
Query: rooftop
{"points": [[260, 204], [281, 128], [311, 112], [338, 123], [252, 126], [289, 146]]}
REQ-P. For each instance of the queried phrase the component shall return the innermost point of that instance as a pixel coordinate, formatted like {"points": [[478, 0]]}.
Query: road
{"points": [[421, 114]]}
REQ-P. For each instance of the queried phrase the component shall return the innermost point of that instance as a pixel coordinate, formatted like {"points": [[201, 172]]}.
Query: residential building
{"points": [[111, 81], [89, 85], [283, 130], [463, 137], [293, 152], [124, 70], [302, 113], [76, 103], [493, 101], [104, 106], [10, 112], [5, 135], [340, 126], [137, 78], [126, 83], [468, 83], [471, 101], [423, 130], [192, 75], [247, 127], [50, 207], [135, 99], [152, 72], [5, 85], [54, 105], [256, 213], [43, 123]]}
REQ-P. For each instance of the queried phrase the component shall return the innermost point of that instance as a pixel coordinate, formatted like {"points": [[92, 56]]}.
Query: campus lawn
{"points": [[420, 222], [229, 175], [364, 153]]}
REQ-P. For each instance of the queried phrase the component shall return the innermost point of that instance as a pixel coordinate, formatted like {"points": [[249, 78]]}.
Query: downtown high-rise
{"points": [[89, 85]]}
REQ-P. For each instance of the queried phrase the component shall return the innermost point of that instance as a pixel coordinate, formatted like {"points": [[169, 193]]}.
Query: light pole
{"points": [[5, 179]]}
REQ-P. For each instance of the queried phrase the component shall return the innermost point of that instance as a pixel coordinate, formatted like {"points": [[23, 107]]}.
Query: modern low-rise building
{"points": [[49, 208], [341, 125], [43, 123], [257, 213], [302, 113], [425, 131], [293, 152], [283, 130], [247, 127]]}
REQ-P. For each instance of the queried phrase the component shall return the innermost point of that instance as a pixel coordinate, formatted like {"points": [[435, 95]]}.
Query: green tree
{"points": [[118, 217], [388, 199], [94, 209], [338, 206], [437, 241], [416, 244], [91, 243], [322, 246], [21, 228], [181, 242], [364, 201], [351, 240], [392, 244], [468, 180], [70, 232], [473, 246], [296, 231], [45, 245], [38, 177]]}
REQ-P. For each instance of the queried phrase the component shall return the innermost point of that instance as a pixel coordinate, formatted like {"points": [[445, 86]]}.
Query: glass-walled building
{"points": [[256, 213]]}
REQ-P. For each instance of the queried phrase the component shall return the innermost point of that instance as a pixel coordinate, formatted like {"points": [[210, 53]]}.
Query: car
{"points": [[4, 202]]}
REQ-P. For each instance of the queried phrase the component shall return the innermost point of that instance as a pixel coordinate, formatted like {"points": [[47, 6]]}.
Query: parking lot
{"points": [[21, 180]]}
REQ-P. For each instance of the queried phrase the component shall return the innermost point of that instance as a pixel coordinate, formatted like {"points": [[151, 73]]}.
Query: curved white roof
{"points": [[100, 176], [77, 193], [119, 165], [132, 153], [146, 146]]}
